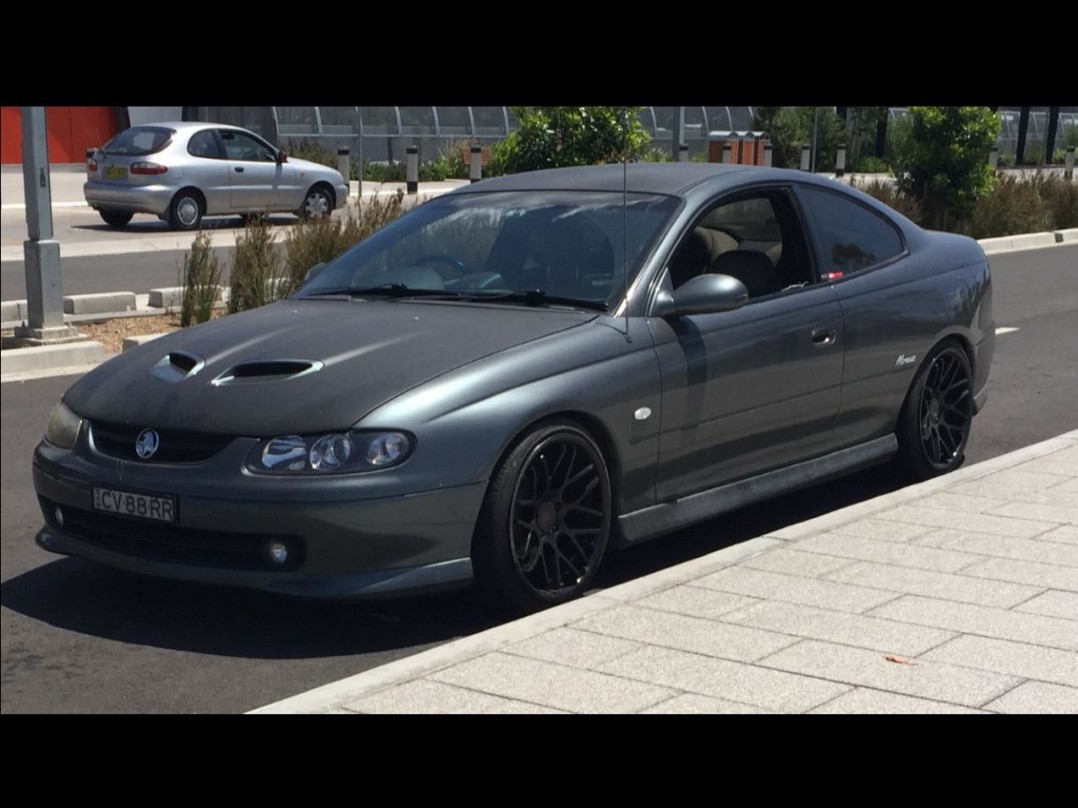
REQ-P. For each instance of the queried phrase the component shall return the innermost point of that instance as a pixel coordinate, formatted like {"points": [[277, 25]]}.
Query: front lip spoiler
{"points": [[429, 578]]}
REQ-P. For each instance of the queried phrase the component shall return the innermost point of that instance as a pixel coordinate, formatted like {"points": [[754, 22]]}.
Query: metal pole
{"points": [[1023, 129], [1050, 136], [815, 129], [476, 172], [412, 168], [41, 252], [678, 134]]}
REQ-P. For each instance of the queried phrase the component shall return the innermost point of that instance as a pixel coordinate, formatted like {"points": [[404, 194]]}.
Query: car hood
{"points": [[301, 365], [307, 165]]}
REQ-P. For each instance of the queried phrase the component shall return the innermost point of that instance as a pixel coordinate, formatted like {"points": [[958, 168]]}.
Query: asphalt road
{"points": [[81, 638]]}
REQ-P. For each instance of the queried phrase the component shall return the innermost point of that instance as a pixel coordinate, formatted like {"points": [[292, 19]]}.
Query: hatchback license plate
{"points": [[116, 172], [140, 506]]}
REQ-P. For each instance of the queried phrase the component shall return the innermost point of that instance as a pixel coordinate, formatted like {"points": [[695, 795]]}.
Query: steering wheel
{"points": [[447, 259]]}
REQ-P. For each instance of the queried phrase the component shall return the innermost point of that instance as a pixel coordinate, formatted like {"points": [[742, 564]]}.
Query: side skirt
{"points": [[648, 523]]}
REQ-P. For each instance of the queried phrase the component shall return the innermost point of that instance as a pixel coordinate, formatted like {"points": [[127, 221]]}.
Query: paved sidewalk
{"points": [[958, 595]]}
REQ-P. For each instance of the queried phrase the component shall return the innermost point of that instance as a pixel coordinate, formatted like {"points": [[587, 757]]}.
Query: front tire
{"points": [[317, 204], [115, 218], [545, 523], [934, 425]]}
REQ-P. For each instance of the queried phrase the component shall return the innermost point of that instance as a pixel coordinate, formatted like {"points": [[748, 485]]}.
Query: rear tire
{"points": [[934, 424], [115, 218], [546, 519], [186, 210]]}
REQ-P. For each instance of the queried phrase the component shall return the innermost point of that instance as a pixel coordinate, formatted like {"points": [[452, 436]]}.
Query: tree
{"points": [[946, 159], [553, 137], [790, 128]]}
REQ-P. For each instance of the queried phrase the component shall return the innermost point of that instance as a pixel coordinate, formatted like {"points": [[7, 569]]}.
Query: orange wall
{"points": [[71, 131]]}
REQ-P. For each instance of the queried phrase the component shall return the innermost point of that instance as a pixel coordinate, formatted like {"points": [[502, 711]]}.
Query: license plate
{"points": [[140, 506], [116, 172]]}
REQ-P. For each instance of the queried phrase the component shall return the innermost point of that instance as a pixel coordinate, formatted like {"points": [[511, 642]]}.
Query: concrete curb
{"points": [[1069, 236], [49, 359], [1026, 241], [141, 339], [100, 303], [396, 673]]}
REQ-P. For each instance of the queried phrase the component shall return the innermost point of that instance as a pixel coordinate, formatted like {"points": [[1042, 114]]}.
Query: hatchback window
{"points": [[849, 237], [203, 144], [239, 146], [139, 140]]}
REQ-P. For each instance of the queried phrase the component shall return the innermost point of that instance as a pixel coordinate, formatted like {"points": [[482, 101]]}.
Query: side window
{"points": [[755, 238], [849, 237], [203, 144], [239, 146]]}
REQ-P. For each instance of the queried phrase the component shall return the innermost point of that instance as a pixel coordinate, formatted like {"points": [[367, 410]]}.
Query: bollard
{"points": [[767, 153], [993, 157], [476, 172], [840, 160], [344, 165], [683, 153], [412, 167], [727, 152], [1068, 163], [806, 157]]}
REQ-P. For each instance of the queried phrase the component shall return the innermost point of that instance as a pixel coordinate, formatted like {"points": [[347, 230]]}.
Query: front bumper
{"points": [[348, 544], [104, 195], [341, 193]]}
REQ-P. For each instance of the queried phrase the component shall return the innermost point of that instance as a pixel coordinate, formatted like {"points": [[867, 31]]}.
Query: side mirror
{"points": [[282, 157], [314, 272], [704, 294]]}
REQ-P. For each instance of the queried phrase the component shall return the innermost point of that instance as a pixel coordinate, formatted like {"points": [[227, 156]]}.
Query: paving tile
{"points": [[1064, 534], [795, 562], [1013, 658], [653, 627], [695, 602], [881, 530], [884, 552], [1026, 572], [695, 704], [985, 621], [1068, 487], [1042, 552], [425, 697], [944, 585], [1025, 476], [1053, 603], [942, 538], [840, 627], [865, 701], [1035, 510], [964, 502], [929, 680], [974, 522], [793, 589], [550, 685], [1056, 495], [567, 646], [720, 678], [1037, 698]]}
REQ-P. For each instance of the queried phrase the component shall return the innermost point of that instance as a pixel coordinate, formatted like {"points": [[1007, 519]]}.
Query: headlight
{"points": [[63, 427], [324, 454]]}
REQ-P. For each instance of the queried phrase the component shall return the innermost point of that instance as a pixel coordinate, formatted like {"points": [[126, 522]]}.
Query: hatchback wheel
{"points": [[115, 218], [317, 204], [186, 211], [934, 425], [546, 520]]}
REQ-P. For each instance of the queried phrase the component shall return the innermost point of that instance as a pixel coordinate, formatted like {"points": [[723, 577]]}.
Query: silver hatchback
{"points": [[181, 172]]}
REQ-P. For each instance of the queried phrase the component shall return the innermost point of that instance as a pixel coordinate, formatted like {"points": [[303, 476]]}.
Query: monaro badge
{"points": [[147, 443], [904, 360]]}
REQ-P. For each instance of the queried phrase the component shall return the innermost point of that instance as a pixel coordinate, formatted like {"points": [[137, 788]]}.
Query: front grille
{"points": [[177, 446], [175, 545]]}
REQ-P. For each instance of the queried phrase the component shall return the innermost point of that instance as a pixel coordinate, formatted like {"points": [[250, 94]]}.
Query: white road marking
{"points": [[1005, 329]]}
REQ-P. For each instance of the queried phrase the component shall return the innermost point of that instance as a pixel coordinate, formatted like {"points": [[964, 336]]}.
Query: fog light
{"points": [[58, 514], [277, 551]]}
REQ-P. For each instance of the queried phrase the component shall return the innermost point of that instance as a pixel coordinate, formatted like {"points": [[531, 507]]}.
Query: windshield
{"points": [[555, 246], [139, 140]]}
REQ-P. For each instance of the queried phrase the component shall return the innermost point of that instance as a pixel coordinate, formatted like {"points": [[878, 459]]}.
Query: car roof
{"points": [[188, 126]]}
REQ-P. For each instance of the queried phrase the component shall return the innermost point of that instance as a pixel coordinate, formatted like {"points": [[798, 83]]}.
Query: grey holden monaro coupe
{"points": [[520, 374]]}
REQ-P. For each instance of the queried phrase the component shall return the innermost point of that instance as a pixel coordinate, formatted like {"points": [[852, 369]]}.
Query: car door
{"points": [[257, 182], [756, 388], [208, 170]]}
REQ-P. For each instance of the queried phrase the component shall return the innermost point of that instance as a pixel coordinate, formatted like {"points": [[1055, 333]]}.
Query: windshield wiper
{"points": [[537, 297], [383, 290]]}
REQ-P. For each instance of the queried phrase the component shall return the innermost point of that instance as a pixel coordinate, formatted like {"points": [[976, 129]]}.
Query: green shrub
{"points": [[890, 195], [553, 137], [200, 277], [1060, 199], [1014, 205], [873, 165], [256, 268], [311, 150], [791, 128], [945, 164]]}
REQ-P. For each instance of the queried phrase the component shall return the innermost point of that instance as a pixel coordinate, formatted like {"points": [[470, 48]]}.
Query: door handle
{"points": [[238, 169], [823, 336]]}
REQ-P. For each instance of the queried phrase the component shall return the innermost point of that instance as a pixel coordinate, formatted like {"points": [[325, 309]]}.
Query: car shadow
{"points": [[103, 602], [155, 227], [99, 601]]}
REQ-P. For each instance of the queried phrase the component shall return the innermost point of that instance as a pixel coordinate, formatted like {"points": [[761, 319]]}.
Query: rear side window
{"points": [[139, 140], [203, 144], [848, 236]]}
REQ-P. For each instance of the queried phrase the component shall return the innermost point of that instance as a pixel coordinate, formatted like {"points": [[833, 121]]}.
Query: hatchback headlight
{"points": [[325, 454], [62, 430]]}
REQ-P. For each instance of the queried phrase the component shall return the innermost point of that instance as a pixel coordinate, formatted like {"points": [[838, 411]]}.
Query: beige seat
{"points": [[754, 269]]}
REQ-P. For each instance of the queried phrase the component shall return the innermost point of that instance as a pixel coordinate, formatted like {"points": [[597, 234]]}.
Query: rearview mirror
{"points": [[282, 157], [704, 294], [313, 272]]}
